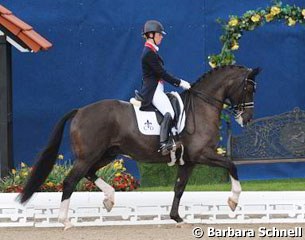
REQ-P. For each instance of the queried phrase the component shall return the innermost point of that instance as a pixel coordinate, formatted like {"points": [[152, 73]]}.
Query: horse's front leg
{"points": [[215, 160], [236, 190], [184, 172]]}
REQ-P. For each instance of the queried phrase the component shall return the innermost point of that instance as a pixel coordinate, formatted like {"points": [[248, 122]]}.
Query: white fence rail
{"points": [[153, 208]]}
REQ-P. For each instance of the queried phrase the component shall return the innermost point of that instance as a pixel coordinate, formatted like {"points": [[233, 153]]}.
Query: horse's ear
{"points": [[254, 72]]}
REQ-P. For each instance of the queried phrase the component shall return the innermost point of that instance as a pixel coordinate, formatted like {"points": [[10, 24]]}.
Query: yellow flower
{"points": [[233, 22], [24, 174], [269, 17], [235, 45], [303, 13], [212, 64], [14, 171], [23, 165], [60, 157], [117, 174], [275, 10], [256, 18], [117, 165], [221, 151], [291, 22], [50, 184]]}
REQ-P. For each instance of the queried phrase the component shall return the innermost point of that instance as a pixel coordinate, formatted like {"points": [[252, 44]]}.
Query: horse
{"points": [[102, 130]]}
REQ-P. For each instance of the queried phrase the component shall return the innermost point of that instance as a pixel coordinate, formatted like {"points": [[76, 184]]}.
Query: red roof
{"points": [[23, 31]]}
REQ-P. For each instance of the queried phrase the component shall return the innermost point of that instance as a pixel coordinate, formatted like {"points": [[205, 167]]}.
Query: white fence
{"points": [[153, 208]]}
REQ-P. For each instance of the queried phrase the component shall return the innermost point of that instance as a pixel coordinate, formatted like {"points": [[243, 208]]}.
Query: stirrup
{"points": [[165, 148]]}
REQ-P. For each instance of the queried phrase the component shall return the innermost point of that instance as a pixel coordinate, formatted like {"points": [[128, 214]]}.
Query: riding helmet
{"points": [[153, 26]]}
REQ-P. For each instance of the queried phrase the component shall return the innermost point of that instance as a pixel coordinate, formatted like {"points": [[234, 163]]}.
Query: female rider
{"points": [[154, 76]]}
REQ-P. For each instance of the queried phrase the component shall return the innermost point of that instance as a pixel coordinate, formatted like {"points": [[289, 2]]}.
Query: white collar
{"points": [[154, 45]]}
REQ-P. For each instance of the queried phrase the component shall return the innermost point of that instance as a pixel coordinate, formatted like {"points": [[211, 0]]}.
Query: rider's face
{"points": [[158, 38]]}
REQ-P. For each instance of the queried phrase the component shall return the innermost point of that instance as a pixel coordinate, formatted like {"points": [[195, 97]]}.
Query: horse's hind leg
{"points": [[184, 172], [102, 185], [78, 171]]}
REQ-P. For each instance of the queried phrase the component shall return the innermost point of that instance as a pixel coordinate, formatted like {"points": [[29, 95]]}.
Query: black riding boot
{"points": [[166, 143]]}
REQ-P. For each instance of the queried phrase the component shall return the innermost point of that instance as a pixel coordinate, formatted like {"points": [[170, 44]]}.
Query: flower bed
{"points": [[114, 174]]}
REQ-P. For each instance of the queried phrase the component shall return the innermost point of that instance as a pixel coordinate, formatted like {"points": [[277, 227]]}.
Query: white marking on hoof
{"points": [[63, 214], [170, 164], [108, 193], [108, 204], [67, 224], [173, 159], [181, 161], [232, 204], [236, 189]]}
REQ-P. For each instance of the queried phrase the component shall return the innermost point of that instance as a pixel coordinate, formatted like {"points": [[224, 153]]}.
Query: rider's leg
{"points": [[162, 103], [166, 142]]}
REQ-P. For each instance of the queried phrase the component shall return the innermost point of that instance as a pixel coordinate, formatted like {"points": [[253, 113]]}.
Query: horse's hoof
{"points": [[181, 162], [232, 204], [170, 164], [180, 224], [108, 204], [67, 224]]}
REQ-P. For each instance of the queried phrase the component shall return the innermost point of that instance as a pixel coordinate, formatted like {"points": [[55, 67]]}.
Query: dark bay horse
{"points": [[102, 130]]}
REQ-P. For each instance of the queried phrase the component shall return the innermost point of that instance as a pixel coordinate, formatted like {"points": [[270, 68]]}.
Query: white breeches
{"points": [[161, 101]]}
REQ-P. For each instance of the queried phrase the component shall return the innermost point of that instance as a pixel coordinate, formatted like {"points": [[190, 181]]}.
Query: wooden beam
{"points": [[6, 116]]}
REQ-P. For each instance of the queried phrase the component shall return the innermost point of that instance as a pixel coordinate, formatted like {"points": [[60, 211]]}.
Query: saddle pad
{"points": [[147, 121]]}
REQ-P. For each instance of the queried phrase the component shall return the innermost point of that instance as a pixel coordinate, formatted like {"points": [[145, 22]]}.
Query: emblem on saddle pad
{"points": [[148, 125]]}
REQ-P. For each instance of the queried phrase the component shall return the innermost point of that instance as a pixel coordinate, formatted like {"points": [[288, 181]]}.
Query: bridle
{"points": [[236, 110]]}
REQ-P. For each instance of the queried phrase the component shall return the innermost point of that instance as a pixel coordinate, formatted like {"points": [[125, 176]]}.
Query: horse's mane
{"points": [[213, 70]]}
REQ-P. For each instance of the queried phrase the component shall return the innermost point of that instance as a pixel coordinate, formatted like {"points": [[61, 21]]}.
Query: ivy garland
{"points": [[250, 20]]}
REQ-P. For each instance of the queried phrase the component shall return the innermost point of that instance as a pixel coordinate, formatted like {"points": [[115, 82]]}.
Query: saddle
{"points": [[149, 121], [153, 113], [173, 100]]}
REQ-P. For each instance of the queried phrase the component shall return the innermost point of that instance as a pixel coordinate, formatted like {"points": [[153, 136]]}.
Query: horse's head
{"points": [[242, 96], [230, 84]]}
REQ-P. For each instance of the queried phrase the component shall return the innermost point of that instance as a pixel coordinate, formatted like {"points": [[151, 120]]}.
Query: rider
{"points": [[154, 76]]}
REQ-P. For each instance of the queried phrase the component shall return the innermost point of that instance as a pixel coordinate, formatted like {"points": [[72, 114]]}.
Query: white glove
{"points": [[185, 85]]}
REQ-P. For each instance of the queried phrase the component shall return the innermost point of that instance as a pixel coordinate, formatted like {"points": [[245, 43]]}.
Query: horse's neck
{"points": [[214, 86]]}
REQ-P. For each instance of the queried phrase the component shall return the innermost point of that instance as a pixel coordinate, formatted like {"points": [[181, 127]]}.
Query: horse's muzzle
{"points": [[247, 117]]}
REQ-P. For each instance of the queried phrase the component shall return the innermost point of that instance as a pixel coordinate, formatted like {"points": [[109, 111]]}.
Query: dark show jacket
{"points": [[153, 72]]}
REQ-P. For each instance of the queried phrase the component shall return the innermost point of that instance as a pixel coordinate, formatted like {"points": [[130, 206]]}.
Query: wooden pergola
{"points": [[17, 33]]}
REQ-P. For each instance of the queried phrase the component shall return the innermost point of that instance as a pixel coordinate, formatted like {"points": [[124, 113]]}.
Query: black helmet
{"points": [[153, 26]]}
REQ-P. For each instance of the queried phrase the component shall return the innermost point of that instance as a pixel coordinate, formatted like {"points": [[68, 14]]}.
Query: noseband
{"points": [[238, 109]]}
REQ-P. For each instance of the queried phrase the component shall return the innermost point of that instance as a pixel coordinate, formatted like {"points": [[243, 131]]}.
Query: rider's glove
{"points": [[185, 85]]}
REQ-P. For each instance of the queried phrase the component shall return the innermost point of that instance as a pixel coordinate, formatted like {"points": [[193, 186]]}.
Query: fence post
{"points": [[6, 117]]}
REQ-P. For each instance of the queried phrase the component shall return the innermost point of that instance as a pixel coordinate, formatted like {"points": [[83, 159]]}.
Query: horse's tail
{"points": [[46, 160]]}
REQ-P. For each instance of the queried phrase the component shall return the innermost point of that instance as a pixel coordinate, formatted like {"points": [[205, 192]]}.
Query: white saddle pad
{"points": [[147, 121]]}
